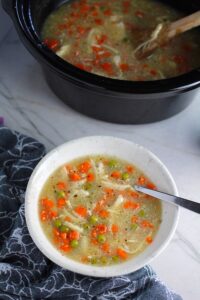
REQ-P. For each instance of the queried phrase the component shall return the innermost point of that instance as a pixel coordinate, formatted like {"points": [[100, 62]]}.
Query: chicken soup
{"points": [[90, 211], [101, 37]]}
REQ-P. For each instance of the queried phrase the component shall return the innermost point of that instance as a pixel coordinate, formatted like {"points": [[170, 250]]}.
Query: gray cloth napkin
{"points": [[25, 273]]}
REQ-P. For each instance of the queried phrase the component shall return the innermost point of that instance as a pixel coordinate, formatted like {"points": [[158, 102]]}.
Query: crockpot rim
{"points": [[178, 84]]}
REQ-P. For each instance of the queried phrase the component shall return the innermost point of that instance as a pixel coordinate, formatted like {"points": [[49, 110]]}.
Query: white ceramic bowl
{"points": [[123, 149]]}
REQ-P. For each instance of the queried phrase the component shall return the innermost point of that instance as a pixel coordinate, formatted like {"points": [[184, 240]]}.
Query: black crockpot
{"points": [[103, 98]]}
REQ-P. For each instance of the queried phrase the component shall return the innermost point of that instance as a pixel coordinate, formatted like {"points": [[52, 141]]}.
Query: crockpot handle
{"points": [[7, 6]]}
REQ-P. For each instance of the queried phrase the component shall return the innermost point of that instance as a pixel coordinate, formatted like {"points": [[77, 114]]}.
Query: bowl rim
{"points": [[21, 15], [98, 271]]}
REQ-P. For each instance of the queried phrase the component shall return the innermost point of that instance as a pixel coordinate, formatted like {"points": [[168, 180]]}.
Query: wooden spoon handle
{"points": [[183, 25], [166, 33]]}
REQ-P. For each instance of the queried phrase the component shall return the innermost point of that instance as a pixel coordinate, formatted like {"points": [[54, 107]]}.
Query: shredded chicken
{"points": [[64, 50], [117, 186], [74, 227]]}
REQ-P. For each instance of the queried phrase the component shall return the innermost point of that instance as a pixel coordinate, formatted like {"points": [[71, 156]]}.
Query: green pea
{"points": [[93, 260], [64, 228], [141, 213], [86, 226], [87, 186], [93, 219], [125, 176], [60, 194], [125, 39], [101, 238], [115, 259], [112, 163], [74, 243], [134, 226], [104, 260], [57, 223]]}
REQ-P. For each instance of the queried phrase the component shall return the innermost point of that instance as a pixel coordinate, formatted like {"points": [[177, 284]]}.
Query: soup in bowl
{"points": [[83, 213]]}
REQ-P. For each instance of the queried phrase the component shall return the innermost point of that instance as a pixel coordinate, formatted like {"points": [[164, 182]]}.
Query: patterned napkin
{"points": [[25, 273]]}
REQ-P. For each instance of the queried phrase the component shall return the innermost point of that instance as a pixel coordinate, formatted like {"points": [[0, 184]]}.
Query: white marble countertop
{"points": [[29, 106]]}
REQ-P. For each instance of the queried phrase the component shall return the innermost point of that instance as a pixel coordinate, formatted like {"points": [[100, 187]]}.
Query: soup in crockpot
{"points": [[101, 36], [90, 211]]}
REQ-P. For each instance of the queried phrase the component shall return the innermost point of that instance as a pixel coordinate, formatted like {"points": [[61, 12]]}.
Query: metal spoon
{"points": [[191, 205]]}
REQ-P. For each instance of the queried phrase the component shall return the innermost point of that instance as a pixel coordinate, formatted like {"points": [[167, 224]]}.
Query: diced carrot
{"points": [[84, 259], [94, 242], [94, 233], [134, 219], [61, 202], [150, 185], [131, 204], [63, 235], [101, 228], [107, 67], [95, 13], [47, 203], [90, 177], [149, 239], [98, 21], [84, 167], [109, 193], [53, 214], [74, 235], [145, 66], [75, 14], [146, 223], [107, 12], [116, 174], [43, 215], [114, 228], [61, 185], [83, 67], [68, 219], [65, 248], [81, 30], [133, 194], [96, 49], [56, 232], [124, 67], [51, 43], [104, 214], [126, 3], [99, 205], [105, 247], [141, 180], [153, 72], [121, 253], [129, 169], [101, 39], [84, 8], [74, 176], [81, 211]]}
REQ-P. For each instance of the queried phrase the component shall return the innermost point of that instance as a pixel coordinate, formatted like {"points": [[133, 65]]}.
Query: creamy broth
{"points": [[101, 36], [91, 213]]}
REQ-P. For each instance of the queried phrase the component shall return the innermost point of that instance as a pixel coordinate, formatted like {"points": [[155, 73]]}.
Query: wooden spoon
{"points": [[164, 33]]}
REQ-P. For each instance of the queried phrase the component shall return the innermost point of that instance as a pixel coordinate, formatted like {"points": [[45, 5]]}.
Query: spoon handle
{"points": [[165, 32], [184, 24], [191, 205]]}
